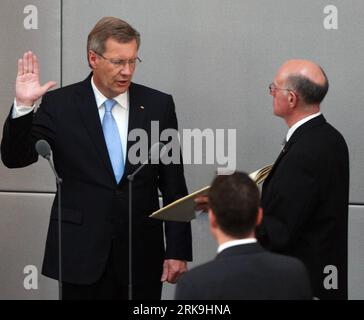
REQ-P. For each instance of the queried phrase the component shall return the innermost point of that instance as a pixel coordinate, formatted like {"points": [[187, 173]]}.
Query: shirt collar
{"points": [[233, 243], [300, 123], [121, 99]]}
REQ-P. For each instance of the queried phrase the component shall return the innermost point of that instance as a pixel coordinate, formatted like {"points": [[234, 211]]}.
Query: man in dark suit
{"points": [[242, 268], [305, 197], [87, 126]]}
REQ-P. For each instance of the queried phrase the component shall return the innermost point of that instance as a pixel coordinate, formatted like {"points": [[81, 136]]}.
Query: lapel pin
{"points": [[141, 107]]}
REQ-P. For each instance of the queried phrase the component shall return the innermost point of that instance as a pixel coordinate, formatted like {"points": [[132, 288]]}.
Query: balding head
{"points": [[306, 78]]}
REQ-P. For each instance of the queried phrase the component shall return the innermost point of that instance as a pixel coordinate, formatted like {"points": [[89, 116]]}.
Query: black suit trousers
{"points": [[111, 285]]}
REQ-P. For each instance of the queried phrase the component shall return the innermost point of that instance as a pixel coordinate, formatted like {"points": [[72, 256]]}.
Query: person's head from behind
{"points": [[298, 90], [112, 51], [234, 207]]}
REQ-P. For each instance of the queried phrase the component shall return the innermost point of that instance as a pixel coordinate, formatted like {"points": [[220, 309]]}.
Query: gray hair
{"points": [[309, 91]]}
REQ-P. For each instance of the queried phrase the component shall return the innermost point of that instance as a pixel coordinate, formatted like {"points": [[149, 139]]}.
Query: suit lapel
{"points": [[296, 135], [137, 115], [280, 156], [86, 104]]}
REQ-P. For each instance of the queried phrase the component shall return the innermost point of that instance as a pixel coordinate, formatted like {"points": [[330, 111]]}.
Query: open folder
{"points": [[183, 209]]}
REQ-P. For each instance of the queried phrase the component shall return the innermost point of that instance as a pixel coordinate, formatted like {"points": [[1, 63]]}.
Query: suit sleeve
{"points": [[172, 184], [21, 134], [293, 197]]}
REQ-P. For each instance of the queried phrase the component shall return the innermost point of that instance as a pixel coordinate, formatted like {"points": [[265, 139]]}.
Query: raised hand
{"points": [[28, 89]]}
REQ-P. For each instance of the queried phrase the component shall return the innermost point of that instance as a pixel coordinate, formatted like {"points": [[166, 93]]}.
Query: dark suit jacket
{"points": [[94, 206], [305, 202], [246, 272]]}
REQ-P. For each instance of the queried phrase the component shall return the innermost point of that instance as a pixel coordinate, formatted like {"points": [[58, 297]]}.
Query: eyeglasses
{"points": [[273, 88], [121, 63]]}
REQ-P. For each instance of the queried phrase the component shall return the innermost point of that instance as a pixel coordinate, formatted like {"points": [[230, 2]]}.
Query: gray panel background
{"points": [[356, 254], [23, 230], [15, 40], [217, 59]]}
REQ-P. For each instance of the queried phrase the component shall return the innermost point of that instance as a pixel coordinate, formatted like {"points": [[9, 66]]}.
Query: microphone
{"points": [[156, 151], [43, 148]]}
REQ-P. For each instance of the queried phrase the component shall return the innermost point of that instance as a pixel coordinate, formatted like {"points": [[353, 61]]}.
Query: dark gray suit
{"points": [[246, 272]]}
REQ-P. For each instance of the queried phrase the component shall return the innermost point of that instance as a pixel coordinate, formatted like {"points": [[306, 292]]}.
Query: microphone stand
{"points": [[131, 180], [58, 182], [130, 286], [155, 152]]}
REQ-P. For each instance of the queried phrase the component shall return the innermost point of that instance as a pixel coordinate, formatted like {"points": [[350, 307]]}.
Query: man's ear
{"points": [[292, 99], [92, 59], [213, 224], [259, 216], [212, 219]]}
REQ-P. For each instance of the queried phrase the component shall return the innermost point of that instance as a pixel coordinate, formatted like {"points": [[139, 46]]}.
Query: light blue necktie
{"points": [[113, 141]]}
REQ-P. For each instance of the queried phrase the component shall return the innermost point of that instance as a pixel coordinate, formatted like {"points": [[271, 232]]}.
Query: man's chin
{"points": [[121, 87]]}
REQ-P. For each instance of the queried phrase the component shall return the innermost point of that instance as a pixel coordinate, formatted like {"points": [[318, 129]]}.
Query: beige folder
{"points": [[183, 209]]}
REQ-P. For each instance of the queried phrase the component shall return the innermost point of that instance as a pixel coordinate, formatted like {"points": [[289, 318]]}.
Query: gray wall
{"points": [[217, 59]]}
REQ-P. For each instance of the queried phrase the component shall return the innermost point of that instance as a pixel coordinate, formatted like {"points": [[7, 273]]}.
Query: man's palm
{"points": [[28, 89]]}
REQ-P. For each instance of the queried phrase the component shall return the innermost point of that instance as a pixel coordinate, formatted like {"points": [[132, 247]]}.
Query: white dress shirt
{"points": [[120, 112], [234, 243]]}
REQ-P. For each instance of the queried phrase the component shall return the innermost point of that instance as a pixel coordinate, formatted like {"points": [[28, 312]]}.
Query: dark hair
{"points": [[309, 91], [234, 200], [114, 28]]}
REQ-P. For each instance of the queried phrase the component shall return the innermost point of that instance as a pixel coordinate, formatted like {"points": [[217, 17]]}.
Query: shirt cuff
{"points": [[19, 111]]}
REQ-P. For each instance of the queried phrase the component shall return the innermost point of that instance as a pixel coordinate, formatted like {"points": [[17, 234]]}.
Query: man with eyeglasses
{"points": [[87, 126], [305, 196]]}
